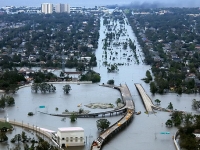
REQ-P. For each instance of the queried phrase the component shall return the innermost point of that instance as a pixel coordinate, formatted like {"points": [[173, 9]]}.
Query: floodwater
{"points": [[144, 131]]}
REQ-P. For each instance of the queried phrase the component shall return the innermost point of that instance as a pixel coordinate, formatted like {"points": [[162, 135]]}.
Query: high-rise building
{"points": [[59, 8], [47, 8], [67, 8]]}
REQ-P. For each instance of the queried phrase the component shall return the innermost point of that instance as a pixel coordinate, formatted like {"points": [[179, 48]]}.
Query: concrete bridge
{"points": [[122, 123], [128, 109], [93, 115], [41, 131], [126, 98], [146, 99]]}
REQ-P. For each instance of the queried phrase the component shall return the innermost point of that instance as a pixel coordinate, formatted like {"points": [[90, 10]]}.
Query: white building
{"points": [[86, 59], [59, 8], [76, 9], [71, 136], [47, 8], [67, 8]]}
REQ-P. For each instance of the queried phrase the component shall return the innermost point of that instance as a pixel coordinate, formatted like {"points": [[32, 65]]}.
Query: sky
{"points": [[92, 3]]}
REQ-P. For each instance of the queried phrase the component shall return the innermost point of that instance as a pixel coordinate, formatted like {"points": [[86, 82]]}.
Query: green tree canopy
{"points": [[157, 101], [111, 82], [102, 124], [170, 106], [73, 117], [91, 76], [66, 88], [3, 137], [169, 123], [153, 87]]}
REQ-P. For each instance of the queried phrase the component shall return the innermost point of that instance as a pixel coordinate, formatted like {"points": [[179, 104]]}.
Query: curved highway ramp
{"points": [[122, 123]]}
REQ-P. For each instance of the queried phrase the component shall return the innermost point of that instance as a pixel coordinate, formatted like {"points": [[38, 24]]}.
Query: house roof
{"points": [[63, 129]]}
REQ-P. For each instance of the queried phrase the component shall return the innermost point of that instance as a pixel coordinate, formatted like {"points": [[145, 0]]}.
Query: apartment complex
{"points": [[47, 8], [59, 8]]}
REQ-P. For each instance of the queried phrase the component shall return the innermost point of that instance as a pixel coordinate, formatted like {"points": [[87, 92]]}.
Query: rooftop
{"points": [[70, 129]]}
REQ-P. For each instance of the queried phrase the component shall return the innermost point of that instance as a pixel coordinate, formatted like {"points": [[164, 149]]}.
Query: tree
{"points": [[73, 117], [51, 88], [30, 114], [102, 124], [118, 101], [23, 136], [17, 147], [3, 137], [6, 99], [62, 74], [13, 88], [81, 110], [26, 147], [10, 100], [148, 75], [43, 87], [91, 76], [66, 88], [80, 67], [153, 88], [2, 103], [157, 101], [110, 82], [188, 141], [18, 138], [197, 121], [195, 104], [170, 106], [43, 145], [9, 81], [35, 87], [112, 68], [169, 123], [188, 119], [177, 118]]}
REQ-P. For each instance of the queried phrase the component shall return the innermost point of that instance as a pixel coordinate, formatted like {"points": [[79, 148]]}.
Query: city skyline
{"points": [[92, 3], [48, 8]]}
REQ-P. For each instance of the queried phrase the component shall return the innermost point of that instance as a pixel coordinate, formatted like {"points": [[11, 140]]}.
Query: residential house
{"points": [[197, 47]]}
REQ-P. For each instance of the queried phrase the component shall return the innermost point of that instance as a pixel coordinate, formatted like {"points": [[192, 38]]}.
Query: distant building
{"points": [[70, 136], [25, 70], [47, 8], [76, 9], [86, 58], [60, 8]]}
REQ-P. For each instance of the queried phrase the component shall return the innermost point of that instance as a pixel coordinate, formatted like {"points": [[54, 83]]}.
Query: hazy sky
{"points": [[92, 3]]}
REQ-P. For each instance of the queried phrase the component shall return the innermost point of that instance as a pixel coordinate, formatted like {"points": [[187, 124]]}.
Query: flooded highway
{"points": [[143, 133]]}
